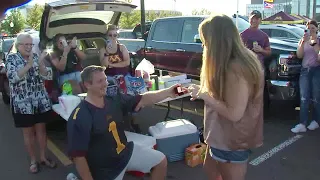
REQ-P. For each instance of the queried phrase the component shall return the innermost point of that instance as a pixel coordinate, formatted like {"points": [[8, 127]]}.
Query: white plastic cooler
{"points": [[173, 137]]}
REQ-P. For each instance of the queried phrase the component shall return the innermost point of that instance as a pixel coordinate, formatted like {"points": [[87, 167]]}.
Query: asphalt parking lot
{"points": [[284, 156]]}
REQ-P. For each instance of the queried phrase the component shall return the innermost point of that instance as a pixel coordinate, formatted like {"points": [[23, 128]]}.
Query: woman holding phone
{"points": [[66, 58], [114, 56], [309, 81]]}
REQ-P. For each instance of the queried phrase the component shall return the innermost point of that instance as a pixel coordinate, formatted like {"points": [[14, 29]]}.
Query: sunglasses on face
{"points": [[113, 35]]}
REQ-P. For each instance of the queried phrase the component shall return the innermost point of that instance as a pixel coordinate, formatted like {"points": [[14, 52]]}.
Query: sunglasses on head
{"points": [[113, 35]]}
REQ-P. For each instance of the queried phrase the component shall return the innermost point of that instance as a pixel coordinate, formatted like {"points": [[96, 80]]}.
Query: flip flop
{"points": [[49, 163], [34, 167]]}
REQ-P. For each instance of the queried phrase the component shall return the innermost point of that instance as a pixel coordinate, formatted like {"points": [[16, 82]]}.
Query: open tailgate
{"points": [[81, 17]]}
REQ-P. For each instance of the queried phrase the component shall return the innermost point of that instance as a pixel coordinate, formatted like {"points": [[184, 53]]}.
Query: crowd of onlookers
{"points": [[231, 86]]}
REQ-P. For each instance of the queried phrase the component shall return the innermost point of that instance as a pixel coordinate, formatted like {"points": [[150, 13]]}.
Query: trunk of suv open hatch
{"points": [[80, 18]]}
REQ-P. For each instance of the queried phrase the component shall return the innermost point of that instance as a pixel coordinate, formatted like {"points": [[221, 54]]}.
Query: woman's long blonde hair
{"points": [[223, 47]]}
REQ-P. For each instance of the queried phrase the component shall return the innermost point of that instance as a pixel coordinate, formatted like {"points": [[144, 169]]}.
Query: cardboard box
{"points": [[194, 155]]}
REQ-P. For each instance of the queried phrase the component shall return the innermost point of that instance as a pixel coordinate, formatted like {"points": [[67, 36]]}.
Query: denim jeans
{"points": [[309, 83]]}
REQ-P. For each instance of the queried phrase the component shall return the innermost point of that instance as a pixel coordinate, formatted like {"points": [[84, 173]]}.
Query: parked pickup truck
{"points": [[173, 44]]}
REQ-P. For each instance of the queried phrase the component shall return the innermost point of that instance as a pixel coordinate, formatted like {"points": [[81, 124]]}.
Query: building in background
{"points": [[266, 12], [300, 7]]}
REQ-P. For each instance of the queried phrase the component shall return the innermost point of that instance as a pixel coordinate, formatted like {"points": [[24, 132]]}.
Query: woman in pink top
{"points": [[232, 82], [309, 81]]}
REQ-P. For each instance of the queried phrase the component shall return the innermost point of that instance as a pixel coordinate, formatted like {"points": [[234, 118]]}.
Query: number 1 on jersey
{"points": [[114, 130]]}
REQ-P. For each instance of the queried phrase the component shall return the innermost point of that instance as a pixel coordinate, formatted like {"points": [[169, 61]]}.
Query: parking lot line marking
{"points": [[178, 108], [274, 150], [58, 153]]}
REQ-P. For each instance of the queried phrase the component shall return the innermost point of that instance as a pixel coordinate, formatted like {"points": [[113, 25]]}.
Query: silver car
{"points": [[289, 33]]}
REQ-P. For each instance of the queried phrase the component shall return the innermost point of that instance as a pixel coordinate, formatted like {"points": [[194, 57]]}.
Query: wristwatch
{"points": [[106, 55]]}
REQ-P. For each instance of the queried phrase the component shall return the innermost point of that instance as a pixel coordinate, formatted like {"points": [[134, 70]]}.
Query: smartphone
{"points": [[255, 44], [307, 32], [74, 41], [109, 44], [64, 43]]}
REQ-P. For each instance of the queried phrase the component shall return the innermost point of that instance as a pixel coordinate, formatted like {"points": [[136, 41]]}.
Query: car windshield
{"points": [[298, 31], [242, 24]]}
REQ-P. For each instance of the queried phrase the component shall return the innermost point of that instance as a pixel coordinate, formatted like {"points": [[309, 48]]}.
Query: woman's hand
{"points": [[74, 43], [42, 57], [306, 37], [42, 66], [66, 49], [194, 92], [109, 44], [258, 49], [30, 60]]}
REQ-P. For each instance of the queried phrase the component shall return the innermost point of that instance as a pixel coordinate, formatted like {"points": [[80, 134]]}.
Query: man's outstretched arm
{"points": [[153, 97]]}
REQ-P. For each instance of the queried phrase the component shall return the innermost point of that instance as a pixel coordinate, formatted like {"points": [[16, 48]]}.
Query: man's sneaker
{"points": [[71, 176], [299, 128], [313, 125]]}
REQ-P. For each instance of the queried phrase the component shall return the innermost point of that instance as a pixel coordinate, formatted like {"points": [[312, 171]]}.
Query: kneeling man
{"points": [[96, 138]]}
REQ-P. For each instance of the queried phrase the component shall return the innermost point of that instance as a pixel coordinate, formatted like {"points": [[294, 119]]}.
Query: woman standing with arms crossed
{"points": [[232, 82], [29, 100], [309, 81]]}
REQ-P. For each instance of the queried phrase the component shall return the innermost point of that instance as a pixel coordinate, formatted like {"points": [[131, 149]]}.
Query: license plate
{"points": [[283, 60]]}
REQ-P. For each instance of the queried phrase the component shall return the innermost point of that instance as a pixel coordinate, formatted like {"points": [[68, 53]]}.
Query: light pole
{"points": [[11, 25], [143, 16]]}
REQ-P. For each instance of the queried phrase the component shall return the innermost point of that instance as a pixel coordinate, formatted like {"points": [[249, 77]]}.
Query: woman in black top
{"points": [[114, 56], [66, 59]]}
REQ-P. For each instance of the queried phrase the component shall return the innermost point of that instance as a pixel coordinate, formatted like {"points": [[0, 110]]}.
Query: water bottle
{"points": [[71, 176]]}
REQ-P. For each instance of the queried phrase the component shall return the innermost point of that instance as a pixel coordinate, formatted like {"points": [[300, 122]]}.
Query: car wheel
{"points": [[6, 93]]}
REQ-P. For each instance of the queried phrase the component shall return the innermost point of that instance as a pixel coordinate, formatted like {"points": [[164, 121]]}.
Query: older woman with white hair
{"points": [[31, 106]]}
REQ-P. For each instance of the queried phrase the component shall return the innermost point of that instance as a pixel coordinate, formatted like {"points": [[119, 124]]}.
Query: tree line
{"points": [[15, 22]]}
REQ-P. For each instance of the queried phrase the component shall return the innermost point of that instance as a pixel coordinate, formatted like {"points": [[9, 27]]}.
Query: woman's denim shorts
{"points": [[240, 156]]}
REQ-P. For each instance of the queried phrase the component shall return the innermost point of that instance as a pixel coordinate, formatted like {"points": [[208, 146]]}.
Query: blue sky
{"points": [[228, 7]]}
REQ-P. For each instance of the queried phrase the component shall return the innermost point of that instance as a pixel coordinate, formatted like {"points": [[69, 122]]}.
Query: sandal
{"points": [[34, 167], [49, 163]]}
